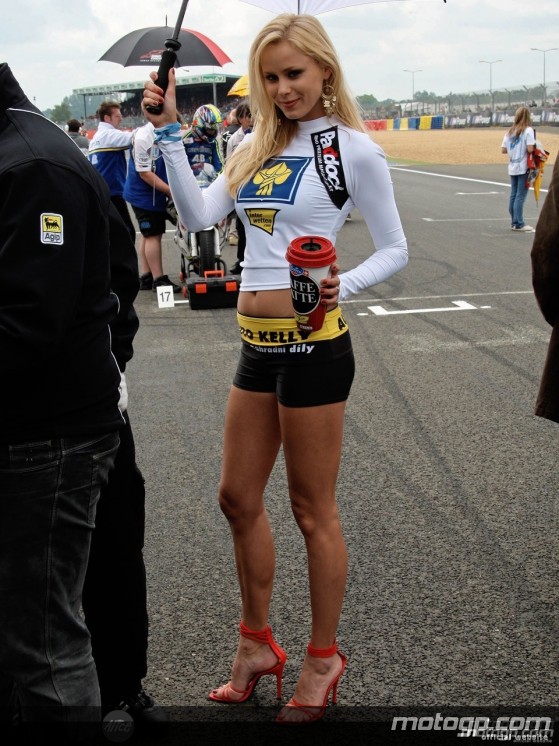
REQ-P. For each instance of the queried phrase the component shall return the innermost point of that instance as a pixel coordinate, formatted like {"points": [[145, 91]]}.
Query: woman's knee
{"points": [[314, 519], [237, 506]]}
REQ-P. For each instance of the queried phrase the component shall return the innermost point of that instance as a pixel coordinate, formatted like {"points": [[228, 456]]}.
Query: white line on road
{"points": [[464, 220], [474, 194], [458, 305], [448, 176], [440, 297]]}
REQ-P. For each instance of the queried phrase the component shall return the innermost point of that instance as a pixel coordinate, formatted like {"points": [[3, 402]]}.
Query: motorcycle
{"points": [[201, 250]]}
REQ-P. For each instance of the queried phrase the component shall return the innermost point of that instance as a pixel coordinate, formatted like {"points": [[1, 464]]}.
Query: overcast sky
{"points": [[53, 46]]}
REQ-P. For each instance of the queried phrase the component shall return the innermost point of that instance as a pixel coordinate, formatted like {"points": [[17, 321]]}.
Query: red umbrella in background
{"points": [[199, 50], [144, 48]]}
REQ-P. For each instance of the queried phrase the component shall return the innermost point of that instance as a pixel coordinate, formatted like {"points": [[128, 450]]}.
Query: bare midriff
{"points": [[266, 304]]}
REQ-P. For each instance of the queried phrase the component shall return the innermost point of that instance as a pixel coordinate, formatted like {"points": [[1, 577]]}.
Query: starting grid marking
{"points": [[166, 298], [458, 305]]}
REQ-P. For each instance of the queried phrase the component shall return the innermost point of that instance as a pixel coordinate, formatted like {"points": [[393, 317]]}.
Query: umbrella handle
{"points": [[168, 59]]}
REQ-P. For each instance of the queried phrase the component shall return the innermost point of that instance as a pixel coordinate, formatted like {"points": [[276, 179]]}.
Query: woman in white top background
{"points": [[517, 143], [308, 162]]}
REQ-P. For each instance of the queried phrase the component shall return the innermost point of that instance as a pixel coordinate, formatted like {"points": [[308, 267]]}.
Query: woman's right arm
{"points": [[197, 208]]}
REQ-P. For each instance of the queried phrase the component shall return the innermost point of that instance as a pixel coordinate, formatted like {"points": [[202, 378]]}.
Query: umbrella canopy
{"points": [[239, 87], [314, 7], [144, 47]]}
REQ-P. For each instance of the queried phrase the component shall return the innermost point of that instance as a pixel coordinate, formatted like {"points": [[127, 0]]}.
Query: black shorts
{"points": [[302, 373], [150, 223]]}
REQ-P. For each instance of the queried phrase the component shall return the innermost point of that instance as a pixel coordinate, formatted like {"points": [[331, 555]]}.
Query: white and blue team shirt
{"points": [[145, 157], [107, 152], [308, 190]]}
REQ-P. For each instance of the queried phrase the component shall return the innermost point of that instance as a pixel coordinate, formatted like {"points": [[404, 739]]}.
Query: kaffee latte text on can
{"points": [[310, 260]]}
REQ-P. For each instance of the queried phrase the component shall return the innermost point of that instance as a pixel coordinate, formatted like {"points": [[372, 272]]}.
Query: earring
{"points": [[328, 99]]}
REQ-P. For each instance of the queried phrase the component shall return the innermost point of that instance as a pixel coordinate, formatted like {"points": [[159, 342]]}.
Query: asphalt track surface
{"points": [[447, 488]]}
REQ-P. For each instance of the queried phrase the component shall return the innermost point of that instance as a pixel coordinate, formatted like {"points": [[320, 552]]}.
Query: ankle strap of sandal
{"points": [[263, 635], [322, 652]]}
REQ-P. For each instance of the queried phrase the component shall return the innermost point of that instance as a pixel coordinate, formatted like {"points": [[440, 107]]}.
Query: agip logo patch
{"points": [[52, 228]]}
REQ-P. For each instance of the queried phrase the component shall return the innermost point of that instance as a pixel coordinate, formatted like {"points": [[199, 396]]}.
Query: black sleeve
{"points": [[545, 253], [125, 284], [40, 281]]}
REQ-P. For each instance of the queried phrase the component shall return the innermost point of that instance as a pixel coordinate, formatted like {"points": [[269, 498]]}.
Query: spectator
{"points": [[107, 152], [147, 190], [115, 594], [517, 143], [74, 131], [244, 118], [232, 125]]}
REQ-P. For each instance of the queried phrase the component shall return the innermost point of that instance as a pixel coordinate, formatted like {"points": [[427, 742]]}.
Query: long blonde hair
{"points": [[273, 131], [522, 119]]}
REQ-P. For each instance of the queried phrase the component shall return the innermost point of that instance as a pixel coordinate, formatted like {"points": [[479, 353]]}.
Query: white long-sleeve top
{"points": [[290, 196]]}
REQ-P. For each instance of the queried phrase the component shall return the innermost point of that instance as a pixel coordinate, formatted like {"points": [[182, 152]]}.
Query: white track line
{"points": [[439, 297], [457, 178]]}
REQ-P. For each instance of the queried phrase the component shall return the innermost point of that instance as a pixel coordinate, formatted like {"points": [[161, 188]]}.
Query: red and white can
{"points": [[310, 261]]}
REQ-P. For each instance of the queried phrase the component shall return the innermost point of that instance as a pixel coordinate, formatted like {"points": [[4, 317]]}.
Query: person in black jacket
{"points": [[59, 421], [115, 594], [545, 280]]}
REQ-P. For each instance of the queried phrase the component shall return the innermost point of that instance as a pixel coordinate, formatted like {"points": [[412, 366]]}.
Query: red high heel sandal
{"points": [[316, 712], [263, 636]]}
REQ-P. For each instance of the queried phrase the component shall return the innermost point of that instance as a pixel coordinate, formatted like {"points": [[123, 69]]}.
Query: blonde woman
{"points": [[308, 162], [517, 143]]}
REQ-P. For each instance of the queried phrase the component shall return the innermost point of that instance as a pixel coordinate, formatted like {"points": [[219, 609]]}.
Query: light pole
{"points": [[413, 72], [545, 51], [491, 63]]}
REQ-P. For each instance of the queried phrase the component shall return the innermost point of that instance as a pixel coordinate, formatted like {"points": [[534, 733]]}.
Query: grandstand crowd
{"points": [[187, 103]]}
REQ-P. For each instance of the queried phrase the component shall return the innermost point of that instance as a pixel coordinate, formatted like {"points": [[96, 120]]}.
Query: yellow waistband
{"points": [[259, 331]]}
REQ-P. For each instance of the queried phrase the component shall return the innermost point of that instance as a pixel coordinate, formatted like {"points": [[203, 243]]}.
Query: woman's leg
{"points": [[251, 444], [312, 441], [519, 200], [512, 198], [521, 194]]}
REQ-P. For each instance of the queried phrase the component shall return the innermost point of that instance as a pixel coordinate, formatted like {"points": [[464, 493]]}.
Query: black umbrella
{"points": [[144, 47]]}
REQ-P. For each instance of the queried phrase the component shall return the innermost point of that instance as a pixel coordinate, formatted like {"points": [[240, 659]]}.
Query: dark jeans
{"points": [[114, 594], [122, 207], [48, 497]]}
